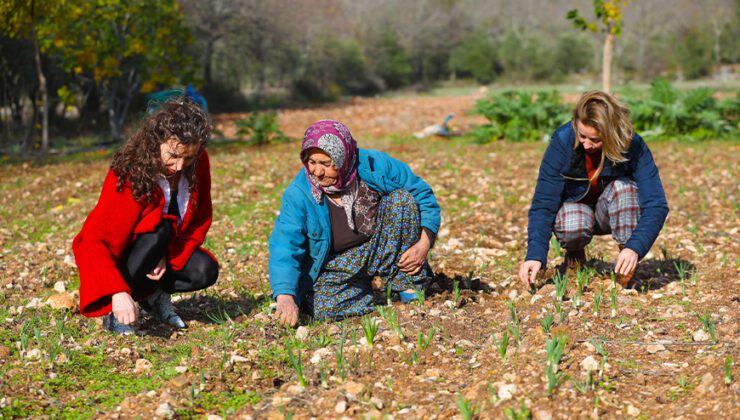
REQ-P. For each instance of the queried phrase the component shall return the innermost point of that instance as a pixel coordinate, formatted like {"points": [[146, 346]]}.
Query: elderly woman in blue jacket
{"points": [[597, 177], [348, 216]]}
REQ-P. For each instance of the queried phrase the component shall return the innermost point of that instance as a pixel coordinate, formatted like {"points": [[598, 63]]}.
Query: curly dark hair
{"points": [[139, 161]]}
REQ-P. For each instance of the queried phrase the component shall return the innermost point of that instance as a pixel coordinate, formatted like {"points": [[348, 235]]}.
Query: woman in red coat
{"points": [[142, 240]]}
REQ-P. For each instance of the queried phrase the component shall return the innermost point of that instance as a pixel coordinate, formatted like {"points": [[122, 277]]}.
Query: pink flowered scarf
{"points": [[334, 139]]}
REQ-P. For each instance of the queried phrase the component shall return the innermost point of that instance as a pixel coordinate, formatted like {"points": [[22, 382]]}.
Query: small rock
{"points": [[295, 389], [513, 294], [377, 402], [179, 382], [151, 394], [142, 365], [301, 333], [181, 369], [707, 384], [319, 354], [59, 287], [278, 400], [700, 335], [654, 348], [506, 391], [589, 364], [69, 261], [341, 407], [214, 417], [435, 312], [657, 296], [235, 358], [632, 410], [164, 410], [33, 354], [535, 298], [372, 415], [542, 415], [354, 388], [62, 301]]}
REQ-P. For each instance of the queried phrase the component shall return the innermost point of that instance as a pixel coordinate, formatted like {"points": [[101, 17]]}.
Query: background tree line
{"points": [[95, 60]]}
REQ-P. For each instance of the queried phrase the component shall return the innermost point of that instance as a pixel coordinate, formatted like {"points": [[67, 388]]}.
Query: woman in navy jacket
{"points": [[597, 177], [348, 215]]}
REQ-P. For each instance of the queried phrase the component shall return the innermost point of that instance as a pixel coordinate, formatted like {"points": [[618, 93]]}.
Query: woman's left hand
{"points": [[158, 271], [413, 259]]}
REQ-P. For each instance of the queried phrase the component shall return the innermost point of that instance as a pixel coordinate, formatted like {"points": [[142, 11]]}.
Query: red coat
{"points": [[113, 225]]}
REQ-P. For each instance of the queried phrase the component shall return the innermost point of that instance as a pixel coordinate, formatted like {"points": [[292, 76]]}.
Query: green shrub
{"points": [[262, 128], [476, 57], [666, 111], [520, 116]]}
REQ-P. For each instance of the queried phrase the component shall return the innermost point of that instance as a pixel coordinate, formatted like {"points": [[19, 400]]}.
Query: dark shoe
{"points": [[159, 304], [575, 259], [111, 324]]}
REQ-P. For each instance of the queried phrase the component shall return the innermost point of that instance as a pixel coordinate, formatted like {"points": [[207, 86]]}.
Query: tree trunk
{"points": [[44, 96], [606, 69]]}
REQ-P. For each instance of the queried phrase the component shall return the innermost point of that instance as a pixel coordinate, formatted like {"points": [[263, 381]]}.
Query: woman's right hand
{"points": [[528, 272], [287, 310], [124, 308]]}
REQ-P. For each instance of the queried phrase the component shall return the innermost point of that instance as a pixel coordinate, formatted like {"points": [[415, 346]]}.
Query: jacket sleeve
{"points": [[195, 232], [288, 245], [99, 246], [653, 203], [398, 175], [548, 196]]}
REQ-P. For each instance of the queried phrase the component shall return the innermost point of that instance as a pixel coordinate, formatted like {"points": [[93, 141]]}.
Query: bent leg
{"points": [[343, 289], [618, 209], [574, 226], [397, 228], [147, 250], [200, 272]]}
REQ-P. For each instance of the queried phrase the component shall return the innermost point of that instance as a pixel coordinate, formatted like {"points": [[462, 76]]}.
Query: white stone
{"points": [[341, 407], [319, 354], [589, 364], [632, 410], [235, 358], [301, 333], [164, 410], [60, 287], [33, 354], [700, 335], [654, 348], [214, 417], [181, 369], [506, 391]]}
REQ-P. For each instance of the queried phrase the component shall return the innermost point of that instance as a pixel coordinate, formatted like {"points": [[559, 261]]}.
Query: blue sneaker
{"points": [[111, 324], [407, 296]]}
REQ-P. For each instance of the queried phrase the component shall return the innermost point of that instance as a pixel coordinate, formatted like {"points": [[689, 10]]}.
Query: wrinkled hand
{"points": [[528, 272], [124, 308], [413, 259], [626, 262], [158, 271], [287, 311]]}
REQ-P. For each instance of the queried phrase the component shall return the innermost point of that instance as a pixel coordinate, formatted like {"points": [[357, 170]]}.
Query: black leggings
{"points": [[200, 272]]}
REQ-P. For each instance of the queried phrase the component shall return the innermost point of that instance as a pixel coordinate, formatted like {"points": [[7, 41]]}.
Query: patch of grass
{"points": [[467, 410], [522, 413]]}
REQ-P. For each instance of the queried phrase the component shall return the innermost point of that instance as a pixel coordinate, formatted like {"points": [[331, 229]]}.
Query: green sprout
{"points": [[728, 370], [613, 301], [370, 327], [597, 301], [456, 292], [709, 325], [390, 317], [547, 323], [467, 411], [503, 344], [297, 362]]}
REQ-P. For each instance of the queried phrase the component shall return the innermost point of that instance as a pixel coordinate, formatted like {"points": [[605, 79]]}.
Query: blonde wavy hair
{"points": [[611, 120]]}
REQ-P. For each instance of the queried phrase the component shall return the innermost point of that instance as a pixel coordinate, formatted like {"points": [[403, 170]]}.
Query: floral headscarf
{"points": [[334, 139]]}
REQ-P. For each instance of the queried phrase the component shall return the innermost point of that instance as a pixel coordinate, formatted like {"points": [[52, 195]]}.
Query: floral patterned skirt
{"points": [[344, 288]]}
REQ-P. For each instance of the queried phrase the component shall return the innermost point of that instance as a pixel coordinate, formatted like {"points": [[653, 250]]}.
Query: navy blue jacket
{"points": [[563, 179]]}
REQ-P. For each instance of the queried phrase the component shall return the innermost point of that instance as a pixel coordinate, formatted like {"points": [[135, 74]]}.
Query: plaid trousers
{"points": [[617, 212]]}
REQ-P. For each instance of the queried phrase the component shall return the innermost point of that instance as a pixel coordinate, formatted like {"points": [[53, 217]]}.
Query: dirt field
{"points": [[648, 353]]}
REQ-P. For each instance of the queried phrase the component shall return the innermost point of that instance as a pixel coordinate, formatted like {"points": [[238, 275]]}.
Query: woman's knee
{"points": [[402, 198], [624, 186], [205, 271], [575, 219]]}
